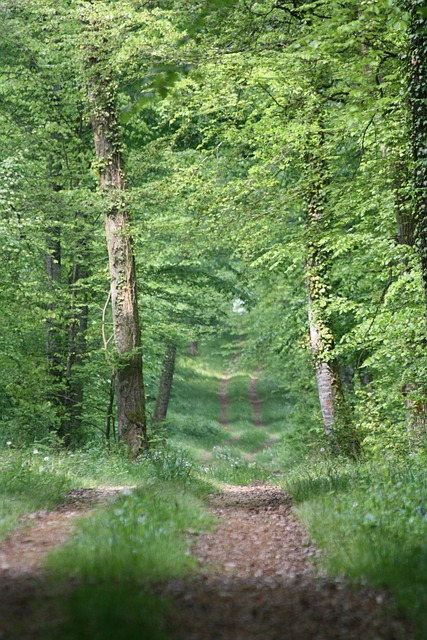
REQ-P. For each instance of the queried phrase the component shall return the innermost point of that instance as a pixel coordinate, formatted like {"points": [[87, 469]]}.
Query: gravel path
{"points": [[255, 400], [25, 595], [258, 581]]}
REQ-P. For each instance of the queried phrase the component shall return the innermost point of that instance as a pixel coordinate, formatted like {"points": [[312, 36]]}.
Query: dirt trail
{"points": [[258, 581], [24, 593], [255, 400]]}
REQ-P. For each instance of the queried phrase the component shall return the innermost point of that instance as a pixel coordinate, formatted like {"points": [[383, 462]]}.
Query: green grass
{"points": [[29, 481], [370, 521], [115, 611], [142, 537], [195, 410], [114, 555], [239, 409], [138, 538], [41, 477]]}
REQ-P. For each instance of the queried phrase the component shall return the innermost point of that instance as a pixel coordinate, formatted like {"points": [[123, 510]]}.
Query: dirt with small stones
{"points": [[258, 581], [257, 577], [24, 592]]}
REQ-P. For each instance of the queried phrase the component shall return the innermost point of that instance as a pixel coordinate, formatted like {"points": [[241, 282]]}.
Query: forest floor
{"points": [[258, 581], [259, 576], [24, 591]]}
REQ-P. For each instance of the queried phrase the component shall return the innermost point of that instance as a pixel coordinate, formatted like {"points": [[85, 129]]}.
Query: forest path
{"points": [[255, 400], [257, 581], [22, 582], [223, 399]]}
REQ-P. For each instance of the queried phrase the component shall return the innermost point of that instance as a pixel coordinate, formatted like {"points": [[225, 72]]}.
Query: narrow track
{"points": [[255, 400], [258, 581], [24, 590]]}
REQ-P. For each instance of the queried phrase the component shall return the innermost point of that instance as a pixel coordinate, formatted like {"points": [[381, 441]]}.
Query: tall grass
{"points": [[138, 538], [370, 520], [143, 537]]}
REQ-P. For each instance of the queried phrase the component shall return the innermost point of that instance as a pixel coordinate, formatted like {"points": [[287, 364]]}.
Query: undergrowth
{"points": [[137, 538], [370, 520]]}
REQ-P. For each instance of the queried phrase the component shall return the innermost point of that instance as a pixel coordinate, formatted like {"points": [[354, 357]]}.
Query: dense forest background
{"points": [[270, 153], [221, 204]]}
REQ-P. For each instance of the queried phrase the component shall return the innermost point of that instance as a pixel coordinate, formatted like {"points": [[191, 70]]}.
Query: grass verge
{"points": [[114, 556], [370, 521]]}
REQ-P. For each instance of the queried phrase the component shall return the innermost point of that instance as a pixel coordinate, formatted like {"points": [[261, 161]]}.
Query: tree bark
{"points": [[77, 329], [127, 334], [318, 289], [417, 99], [321, 339], [405, 222], [193, 348], [53, 280], [127, 338], [165, 385]]}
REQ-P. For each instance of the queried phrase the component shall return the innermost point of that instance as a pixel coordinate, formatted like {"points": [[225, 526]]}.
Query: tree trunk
{"points": [[165, 384], [77, 330], [326, 378], [127, 336], [193, 348], [405, 222], [318, 290], [110, 427], [417, 98], [53, 280], [321, 339]]}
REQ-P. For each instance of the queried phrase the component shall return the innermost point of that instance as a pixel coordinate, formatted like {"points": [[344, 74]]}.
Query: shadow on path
{"points": [[259, 581]]}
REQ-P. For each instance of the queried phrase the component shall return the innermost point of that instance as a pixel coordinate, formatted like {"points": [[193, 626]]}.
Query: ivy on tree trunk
{"points": [[318, 289], [127, 333]]}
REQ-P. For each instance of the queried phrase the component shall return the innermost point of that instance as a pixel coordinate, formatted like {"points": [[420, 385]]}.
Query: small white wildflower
{"points": [[9, 442], [36, 451], [322, 450], [370, 519], [46, 458]]}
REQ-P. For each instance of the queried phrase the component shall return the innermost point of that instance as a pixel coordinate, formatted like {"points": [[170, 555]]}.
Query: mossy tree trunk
{"points": [[165, 384], [318, 288], [127, 333], [417, 98]]}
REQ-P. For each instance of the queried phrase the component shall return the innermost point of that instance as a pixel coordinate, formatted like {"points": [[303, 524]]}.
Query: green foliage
{"points": [[225, 136], [171, 464], [370, 522], [97, 612], [138, 538]]}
